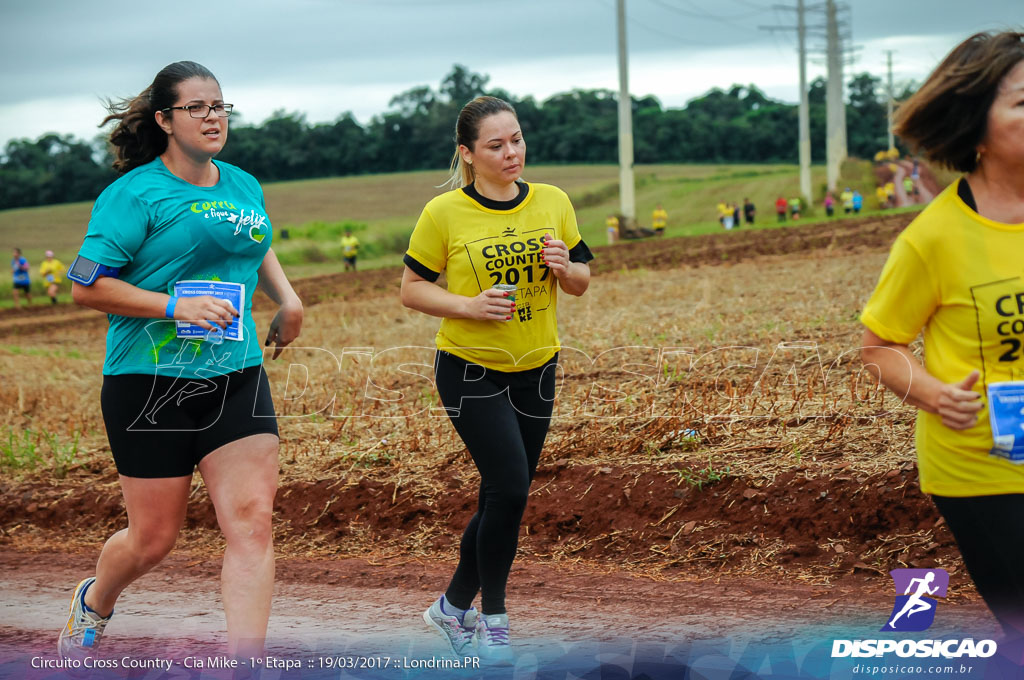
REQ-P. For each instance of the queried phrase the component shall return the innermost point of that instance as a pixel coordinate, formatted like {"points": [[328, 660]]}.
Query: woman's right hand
{"points": [[490, 305], [204, 311], [958, 404]]}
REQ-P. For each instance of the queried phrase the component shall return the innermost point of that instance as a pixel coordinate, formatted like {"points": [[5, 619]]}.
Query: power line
{"points": [[682, 40], [700, 14]]}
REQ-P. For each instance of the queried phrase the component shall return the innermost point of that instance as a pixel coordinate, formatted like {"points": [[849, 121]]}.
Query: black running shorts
{"points": [[159, 426]]}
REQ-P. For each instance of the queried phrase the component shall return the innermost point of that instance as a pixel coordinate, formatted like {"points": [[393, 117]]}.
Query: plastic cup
{"points": [[506, 287]]}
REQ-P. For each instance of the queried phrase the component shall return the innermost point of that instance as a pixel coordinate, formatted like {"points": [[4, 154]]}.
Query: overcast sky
{"points": [[58, 58]]}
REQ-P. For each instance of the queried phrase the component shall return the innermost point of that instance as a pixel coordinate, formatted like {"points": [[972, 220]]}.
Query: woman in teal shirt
{"points": [[173, 402]]}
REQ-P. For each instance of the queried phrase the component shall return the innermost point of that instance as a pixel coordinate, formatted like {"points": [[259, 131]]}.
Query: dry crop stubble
{"points": [[743, 450]]}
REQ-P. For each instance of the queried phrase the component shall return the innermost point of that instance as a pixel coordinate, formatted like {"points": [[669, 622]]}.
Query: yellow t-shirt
{"points": [[881, 194], [53, 267], [847, 199], [480, 246], [960, 277], [349, 246], [659, 218], [724, 210], [612, 223]]}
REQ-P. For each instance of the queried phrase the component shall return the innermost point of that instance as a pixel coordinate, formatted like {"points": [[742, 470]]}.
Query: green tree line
{"points": [[740, 124]]}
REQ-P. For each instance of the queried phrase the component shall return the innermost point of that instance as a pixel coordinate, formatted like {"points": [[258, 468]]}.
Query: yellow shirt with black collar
{"points": [[478, 246], [960, 278]]}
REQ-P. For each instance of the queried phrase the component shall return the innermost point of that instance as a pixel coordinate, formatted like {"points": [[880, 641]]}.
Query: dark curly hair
{"points": [[137, 139]]}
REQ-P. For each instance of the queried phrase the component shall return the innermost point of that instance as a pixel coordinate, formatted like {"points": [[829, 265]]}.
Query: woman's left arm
{"points": [[573, 277], [287, 322]]}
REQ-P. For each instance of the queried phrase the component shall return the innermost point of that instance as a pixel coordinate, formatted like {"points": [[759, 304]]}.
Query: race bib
{"points": [[225, 290], [1006, 414]]}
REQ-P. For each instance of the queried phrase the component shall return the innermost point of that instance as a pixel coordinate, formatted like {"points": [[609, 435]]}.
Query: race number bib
{"points": [[1006, 414]]}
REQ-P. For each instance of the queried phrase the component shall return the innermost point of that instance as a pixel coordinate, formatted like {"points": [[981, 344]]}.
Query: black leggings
{"points": [[989, 530], [503, 419]]}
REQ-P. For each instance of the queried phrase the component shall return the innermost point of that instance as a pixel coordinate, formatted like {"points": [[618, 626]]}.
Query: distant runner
{"points": [[21, 281], [659, 219], [349, 250], [52, 270]]}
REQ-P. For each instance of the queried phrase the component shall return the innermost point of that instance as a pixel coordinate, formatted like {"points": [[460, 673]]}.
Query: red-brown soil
{"points": [[598, 514]]}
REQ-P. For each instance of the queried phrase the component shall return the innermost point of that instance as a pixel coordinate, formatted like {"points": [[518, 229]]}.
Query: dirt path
{"points": [[356, 607]]}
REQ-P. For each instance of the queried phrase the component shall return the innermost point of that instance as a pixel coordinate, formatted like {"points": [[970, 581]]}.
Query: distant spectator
{"points": [[830, 204], [349, 250], [53, 271], [847, 199], [22, 282], [659, 219], [735, 214], [726, 213], [909, 188], [890, 191], [882, 196], [723, 210], [611, 224], [858, 202], [794, 208], [780, 208], [748, 211]]}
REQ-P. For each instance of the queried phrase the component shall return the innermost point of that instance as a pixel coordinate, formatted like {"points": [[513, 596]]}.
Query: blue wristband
{"points": [[171, 303]]}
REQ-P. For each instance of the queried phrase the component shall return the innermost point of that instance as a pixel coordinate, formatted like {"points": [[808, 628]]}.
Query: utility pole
{"points": [[892, 144], [804, 109], [627, 192], [835, 138]]}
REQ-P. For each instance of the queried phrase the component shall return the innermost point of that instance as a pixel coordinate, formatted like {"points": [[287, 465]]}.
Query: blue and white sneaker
{"points": [[492, 640], [457, 633], [81, 634]]}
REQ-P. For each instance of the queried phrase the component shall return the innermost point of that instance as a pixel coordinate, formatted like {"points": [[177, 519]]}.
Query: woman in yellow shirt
{"points": [[497, 349], [957, 273], [52, 272]]}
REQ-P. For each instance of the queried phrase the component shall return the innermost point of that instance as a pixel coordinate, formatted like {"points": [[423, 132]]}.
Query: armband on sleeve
{"points": [[86, 271]]}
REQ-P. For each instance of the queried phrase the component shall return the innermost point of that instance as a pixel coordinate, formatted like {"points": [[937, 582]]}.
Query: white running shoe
{"points": [[81, 634], [492, 640], [458, 634]]}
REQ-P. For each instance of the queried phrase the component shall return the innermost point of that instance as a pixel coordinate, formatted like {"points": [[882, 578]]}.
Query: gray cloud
{"points": [[73, 50]]}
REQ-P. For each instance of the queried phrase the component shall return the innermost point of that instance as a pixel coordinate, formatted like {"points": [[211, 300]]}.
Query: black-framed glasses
{"points": [[203, 110]]}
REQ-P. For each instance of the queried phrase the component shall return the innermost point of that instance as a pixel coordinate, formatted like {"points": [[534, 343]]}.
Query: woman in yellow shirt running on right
{"points": [[955, 272]]}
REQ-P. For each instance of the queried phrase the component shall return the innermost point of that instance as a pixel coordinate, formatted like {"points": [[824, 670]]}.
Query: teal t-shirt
{"points": [[161, 229]]}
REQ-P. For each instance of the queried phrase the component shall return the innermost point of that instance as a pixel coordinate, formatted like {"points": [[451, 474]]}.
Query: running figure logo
{"points": [[914, 610]]}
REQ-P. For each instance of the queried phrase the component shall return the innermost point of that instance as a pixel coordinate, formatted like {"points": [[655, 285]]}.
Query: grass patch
{"points": [[28, 449]]}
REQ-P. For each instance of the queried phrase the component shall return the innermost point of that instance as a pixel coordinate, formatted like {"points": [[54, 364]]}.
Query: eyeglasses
{"points": [[203, 110]]}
